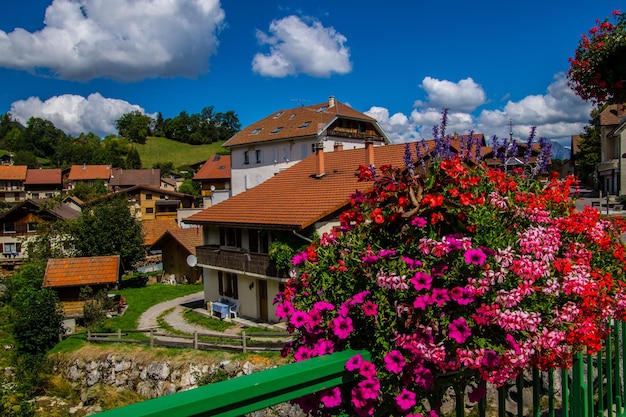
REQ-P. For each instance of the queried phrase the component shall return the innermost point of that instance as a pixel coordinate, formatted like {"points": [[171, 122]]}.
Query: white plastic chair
{"points": [[234, 311]]}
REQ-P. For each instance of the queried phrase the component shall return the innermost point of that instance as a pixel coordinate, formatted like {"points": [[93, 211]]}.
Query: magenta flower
{"points": [[439, 297], [369, 388], [299, 319], [411, 263], [360, 297], [421, 281], [284, 310], [354, 363], [367, 370], [323, 347], [477, 394], [387, 253], [315, 318], [475, 257], [490, 359], [394, 361], [370, 309], [459, 330], [299, 258], [303, 353], [461, 295], [342, 327], [331, 397], [323, 306], [419, 222], [424, 378], [405, 400], [422, 301], [513, 344]]}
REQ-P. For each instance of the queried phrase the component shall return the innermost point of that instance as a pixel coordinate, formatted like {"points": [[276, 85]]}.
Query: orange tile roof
{"points": [[215, 168], [613, 114], [189, 238], [154, 229], [293, 123], [43, 176], [13, 172], [89, 172], [295, 198], [70, 272]]}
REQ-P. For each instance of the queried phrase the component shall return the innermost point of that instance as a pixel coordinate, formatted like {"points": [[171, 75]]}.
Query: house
{"points": [[149, 203], [88, 174], [12, 178], [612, 164], [277, 142], [238, 232], [67, 276], [24, 220], [43, 183], [214, 178], [178, 254], [122, 179]]}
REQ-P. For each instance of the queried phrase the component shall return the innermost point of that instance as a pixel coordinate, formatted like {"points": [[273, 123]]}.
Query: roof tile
{"points": [[13, 172], [69, 272], [215, 168]]}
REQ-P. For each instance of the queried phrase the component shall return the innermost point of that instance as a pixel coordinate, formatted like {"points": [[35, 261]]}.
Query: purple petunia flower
{"points": [[421, 281], [490, 359], [422, 301], [367, 369], [477, 394], [394, 361], [405, 400], [299, 258], [439, 296], [354, 363], [475, 257], [411, 263], [424, 378], [299, 319], [459, 330], [284, 310], [342, 327], [360, 297], [461, 295], [369, 388], [331, 397]]}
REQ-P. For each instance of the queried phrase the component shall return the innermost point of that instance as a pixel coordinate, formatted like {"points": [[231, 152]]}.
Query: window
{"points": [[258, 241], [305, 124], [246, 158], [227, 282], [322, 109], [149, 210], [304, 150], [12, 248], [256, 131], [148, 196], [9, 227], [32, 227], [35, 195], [278, 129], [277, 115], [259, 156], [287, 153], [230, 236]]}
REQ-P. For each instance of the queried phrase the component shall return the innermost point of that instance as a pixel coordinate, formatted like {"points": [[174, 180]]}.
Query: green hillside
{"points": [[158, 149]]}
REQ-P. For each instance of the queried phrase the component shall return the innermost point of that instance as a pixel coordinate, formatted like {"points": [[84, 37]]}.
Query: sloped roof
{"points": [[613, 114], [295, 198], [130, 177], [61, 211], [13, 172], [297, 122], [154, 229], [70, 272], [189, 238], [50, 176], [215, 168], [89, 172]]}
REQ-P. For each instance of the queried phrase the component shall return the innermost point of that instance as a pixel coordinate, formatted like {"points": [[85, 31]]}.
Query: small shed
{"points": [[178, 251]]}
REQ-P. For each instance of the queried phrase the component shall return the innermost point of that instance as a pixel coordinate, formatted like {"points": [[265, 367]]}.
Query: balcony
{"points": [[237, 260], [608, 165], [353, 134]]}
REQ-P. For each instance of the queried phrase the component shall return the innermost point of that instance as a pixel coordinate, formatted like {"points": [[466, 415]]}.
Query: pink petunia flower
{"points": [[477, 394], [284, 310], [419, 222], [439, 296], [370, 309], [354, 363], [459, 330], [405, 400], [342, 327], [367, 369], [475, 257], [299, 319], [421, 281], [331, 397], [369, 388], [394, 361]]}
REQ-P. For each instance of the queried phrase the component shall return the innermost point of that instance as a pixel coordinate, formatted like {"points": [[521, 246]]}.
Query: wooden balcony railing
{"points": [[238, 260]]}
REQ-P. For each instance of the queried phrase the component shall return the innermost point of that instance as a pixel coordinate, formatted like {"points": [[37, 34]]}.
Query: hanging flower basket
{"points": [[598, 70]]}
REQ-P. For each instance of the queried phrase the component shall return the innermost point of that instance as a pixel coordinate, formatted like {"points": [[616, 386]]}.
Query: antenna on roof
{"points": [[299, 101]]}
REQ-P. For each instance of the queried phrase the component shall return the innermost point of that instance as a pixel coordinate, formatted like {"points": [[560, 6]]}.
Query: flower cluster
{"points": [[459, 275], [598, 70]]}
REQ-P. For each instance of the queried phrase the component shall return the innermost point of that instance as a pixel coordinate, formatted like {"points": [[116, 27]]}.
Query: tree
{"points": [[589, 148], [133, 160], [190, 187], [88, 192], [26, 158], [166, 168], [108, 228], [134, 126]]}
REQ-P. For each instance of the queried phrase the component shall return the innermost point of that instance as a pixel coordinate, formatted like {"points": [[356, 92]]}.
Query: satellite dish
{"points": [[192, 261], [213, 188]]}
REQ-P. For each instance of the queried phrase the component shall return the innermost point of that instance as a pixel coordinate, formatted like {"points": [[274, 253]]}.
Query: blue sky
{"points": [[83, 63]]}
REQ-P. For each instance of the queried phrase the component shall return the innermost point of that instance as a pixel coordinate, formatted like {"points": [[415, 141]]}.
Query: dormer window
{"points": [[321, 109], [305, 124], [277, 115], [292, 116], [278, 129], [256, 131]]}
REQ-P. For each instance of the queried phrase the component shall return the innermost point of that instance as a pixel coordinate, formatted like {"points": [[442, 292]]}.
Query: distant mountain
{"points": [[559, 151]]}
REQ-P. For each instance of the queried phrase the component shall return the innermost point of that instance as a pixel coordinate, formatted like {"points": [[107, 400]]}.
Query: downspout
{"points": [[302, 237]]}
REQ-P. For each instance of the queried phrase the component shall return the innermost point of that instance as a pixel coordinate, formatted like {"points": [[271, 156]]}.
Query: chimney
{"points": [[319, 160], [338, 146], [369, 151], [331, 101]]}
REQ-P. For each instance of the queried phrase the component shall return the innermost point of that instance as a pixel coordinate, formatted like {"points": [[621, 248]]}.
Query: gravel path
{"points": [[175, 318]]}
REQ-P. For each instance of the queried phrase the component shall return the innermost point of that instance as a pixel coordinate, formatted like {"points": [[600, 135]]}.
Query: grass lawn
{"points": [[158, 149]]}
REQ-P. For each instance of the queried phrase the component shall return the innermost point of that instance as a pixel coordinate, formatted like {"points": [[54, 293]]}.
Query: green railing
{"points": [[593, 387]]}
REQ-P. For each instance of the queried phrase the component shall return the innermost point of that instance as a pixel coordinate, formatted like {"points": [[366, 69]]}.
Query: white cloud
{"points": [[464, 96], [557, 115], [75, 114], [124, 40], [300, 48]]}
